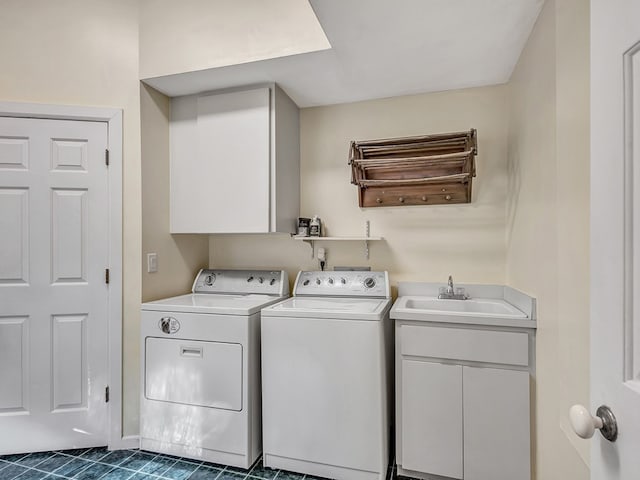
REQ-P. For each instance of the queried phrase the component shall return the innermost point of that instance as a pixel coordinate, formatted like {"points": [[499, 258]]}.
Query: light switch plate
{"points": [[152, 262]]}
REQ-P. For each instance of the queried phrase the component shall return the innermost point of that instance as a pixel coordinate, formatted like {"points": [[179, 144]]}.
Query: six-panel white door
{"points": [[53, 296]]}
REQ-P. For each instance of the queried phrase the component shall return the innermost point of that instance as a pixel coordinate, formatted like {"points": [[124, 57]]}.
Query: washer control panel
{"points": [[343, 284], [267, 282]]}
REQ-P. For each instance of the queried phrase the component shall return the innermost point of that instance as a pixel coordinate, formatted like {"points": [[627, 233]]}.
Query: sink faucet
{"points": [[450, 292]]}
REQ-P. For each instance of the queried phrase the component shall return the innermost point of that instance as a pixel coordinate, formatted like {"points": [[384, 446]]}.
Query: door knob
{"points": [[584, 424]]}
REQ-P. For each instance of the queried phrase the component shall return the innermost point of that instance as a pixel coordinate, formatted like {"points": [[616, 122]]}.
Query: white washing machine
{"points": [[326, 376], [200, 356]]}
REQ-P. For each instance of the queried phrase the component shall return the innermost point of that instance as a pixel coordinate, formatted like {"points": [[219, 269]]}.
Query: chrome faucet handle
{"points": [[450, 285]]}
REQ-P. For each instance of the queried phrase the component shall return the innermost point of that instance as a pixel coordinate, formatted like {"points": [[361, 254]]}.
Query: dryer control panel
{"points": [[265, 282], [343, 284]]}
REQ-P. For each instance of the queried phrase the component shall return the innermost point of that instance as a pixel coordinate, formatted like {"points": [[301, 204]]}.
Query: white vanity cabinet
{"points": [[234, 162], [461, 413]]}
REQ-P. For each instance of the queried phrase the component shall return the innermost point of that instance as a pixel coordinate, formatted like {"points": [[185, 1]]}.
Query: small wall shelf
{"points": [[365, 238]]}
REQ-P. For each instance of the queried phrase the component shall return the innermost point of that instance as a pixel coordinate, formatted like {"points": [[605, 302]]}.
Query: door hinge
{"points": [[106, 157], [106, 394], [106, 276]]}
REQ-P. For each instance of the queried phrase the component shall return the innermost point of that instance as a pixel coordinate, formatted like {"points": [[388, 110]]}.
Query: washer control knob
{"points": [[369, 282], [330, 281], [273, 280], [306, 282], [210, 279], [250, 279], [343, 281], [260, 280], [318, 281]]}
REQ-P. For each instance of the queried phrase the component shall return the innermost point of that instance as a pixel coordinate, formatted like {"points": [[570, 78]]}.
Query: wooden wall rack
{"points": [[421, 170]]}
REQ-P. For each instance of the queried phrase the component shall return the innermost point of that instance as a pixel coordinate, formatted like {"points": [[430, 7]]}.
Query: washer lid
{"points": [[218, 303], [330, 307]]}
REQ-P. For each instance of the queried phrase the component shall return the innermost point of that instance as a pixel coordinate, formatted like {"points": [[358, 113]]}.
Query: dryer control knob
{"points": [[260, 280], [169, 325], [250, 279], [343, 281], [273, 280], [369, 282], [330, 281], [165, 325], [305, 283], [210, 279], [318, 281]]}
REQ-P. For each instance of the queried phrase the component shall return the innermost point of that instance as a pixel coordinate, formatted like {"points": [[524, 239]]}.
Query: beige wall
{"points": [[548, 222], [420, 243], [85, 52], [179, 256], [191, 35], [573, 151]]}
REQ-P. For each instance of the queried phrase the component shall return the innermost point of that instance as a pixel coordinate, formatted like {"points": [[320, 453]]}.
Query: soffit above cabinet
{"points": [[381, 48], [193, 35]]}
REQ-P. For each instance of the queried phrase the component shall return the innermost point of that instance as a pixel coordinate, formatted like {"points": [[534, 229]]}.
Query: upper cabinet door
{"points": [[220, 163], [235, 162]]}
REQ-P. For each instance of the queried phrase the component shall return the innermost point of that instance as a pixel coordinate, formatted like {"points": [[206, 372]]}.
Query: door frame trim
{"points": [[113, 118]]}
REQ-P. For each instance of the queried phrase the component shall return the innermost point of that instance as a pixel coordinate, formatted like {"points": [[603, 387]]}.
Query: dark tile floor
{"points": [[99, 463]]}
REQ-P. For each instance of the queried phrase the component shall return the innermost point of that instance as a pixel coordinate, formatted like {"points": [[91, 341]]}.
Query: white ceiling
{"points": [[386, 48]]}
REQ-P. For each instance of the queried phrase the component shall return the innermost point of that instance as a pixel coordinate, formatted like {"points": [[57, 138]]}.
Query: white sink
{"points": [[475, 311], [489, 307]]}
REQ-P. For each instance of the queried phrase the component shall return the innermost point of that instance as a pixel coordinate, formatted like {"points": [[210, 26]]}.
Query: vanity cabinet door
{"points": [[496, 424], [432, 418]]}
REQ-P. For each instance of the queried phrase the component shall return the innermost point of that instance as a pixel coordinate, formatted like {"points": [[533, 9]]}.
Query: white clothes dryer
{"points": [[327, 376], [200, 359]]}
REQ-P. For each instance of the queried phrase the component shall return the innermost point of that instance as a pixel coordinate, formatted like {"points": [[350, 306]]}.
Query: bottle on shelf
{"points": [[315, 227]]}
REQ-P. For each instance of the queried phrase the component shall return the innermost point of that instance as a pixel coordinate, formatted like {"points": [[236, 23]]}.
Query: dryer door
{"points": [[205, 374]]}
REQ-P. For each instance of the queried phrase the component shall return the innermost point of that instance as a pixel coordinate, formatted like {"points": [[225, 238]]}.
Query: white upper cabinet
{"points": [[235, 162]]}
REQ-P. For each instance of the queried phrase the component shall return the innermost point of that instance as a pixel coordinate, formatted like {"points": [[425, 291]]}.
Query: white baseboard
{"points": [[128, 442]]}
